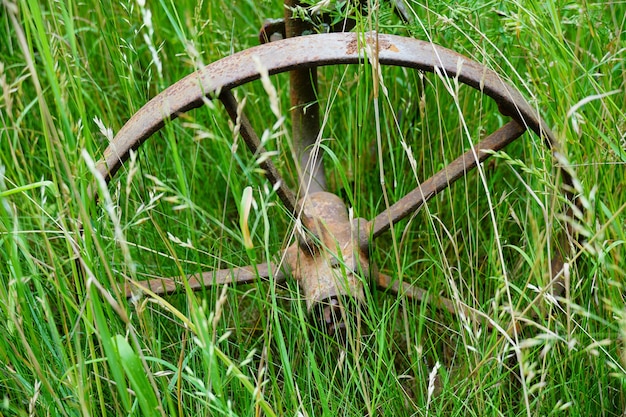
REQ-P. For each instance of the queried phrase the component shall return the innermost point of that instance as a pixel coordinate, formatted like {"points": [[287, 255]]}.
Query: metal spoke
{"points": [[421, 295], [254, 144], [413, 292], [444, 178], [240, 275]]}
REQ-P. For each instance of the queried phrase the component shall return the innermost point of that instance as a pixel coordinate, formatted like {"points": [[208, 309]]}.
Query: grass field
{"points": [[72, 73]]}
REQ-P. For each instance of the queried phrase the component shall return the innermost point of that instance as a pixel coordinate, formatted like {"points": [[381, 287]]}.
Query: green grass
{"points": [[73, 345]]}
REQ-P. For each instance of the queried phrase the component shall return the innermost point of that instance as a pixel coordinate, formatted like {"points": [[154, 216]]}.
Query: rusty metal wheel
{"points": [[335, 244]]}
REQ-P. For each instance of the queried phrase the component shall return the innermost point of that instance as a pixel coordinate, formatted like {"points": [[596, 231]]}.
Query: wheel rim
{"points": [[217, 79]]}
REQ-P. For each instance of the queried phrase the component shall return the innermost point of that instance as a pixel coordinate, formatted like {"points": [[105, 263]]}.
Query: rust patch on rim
{"points": [[383, 44]]}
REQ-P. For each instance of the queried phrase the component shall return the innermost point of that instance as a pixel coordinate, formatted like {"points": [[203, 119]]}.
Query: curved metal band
{"points": [[305, 52]]}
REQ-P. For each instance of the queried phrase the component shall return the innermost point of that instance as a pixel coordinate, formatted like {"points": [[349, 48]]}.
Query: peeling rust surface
{"points": [[329, 261], [381, 42]]}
